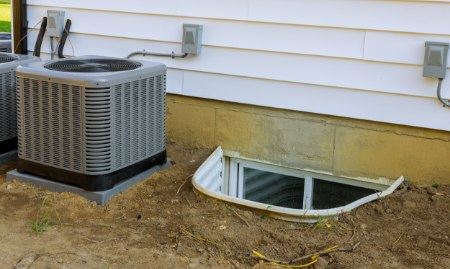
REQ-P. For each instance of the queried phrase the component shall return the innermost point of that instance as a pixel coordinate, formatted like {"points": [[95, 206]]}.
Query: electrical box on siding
{"points": [[435, 62], [192, 38], [55, 22]]}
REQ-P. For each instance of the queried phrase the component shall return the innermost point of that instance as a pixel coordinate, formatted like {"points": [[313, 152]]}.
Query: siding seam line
{"points": [[364, 45]]}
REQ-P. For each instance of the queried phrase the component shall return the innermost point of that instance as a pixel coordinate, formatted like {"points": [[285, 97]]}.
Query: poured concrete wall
{"points": [[305, 140]]}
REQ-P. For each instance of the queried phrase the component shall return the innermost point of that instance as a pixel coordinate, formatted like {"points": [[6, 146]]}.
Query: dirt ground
{"points": [[151, 226]]}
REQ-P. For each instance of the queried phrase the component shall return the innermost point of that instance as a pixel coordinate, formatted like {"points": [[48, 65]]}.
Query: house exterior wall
{"points": [[351, 58], [359, 60]]}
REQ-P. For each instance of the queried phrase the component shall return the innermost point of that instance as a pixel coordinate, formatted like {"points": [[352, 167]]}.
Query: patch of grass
{"points": [[435, 185], [5, 16], [41, 224], [43, 217], [5, 26]]}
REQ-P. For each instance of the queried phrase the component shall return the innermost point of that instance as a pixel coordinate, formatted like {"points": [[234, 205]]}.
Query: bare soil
{"points": [[151, 226]]}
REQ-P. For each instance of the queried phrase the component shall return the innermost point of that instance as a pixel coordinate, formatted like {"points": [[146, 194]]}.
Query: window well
{"points": [[285, 193]]}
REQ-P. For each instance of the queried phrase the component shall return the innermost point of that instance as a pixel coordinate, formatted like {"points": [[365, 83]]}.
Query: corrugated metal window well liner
{"points": [[285, 193]]}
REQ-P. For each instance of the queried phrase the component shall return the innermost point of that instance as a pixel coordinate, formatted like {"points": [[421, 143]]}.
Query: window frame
{"points": [[235, 180]]}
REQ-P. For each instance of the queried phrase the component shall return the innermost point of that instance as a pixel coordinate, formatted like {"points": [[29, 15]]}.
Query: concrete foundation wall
{"points": [[342, 146]]}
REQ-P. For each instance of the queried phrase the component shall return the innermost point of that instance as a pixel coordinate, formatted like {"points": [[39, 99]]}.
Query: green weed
{"points": [[43, 217], [41, 224]]}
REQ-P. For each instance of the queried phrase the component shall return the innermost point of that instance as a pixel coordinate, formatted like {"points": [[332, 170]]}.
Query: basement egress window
{"points": [[285, 193]]}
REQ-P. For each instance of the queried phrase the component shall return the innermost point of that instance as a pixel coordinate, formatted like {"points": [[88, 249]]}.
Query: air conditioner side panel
{"points": [[138, 120], [8, 115], [50, 124]]}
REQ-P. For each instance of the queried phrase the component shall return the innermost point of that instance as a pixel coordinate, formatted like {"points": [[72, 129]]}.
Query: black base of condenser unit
{"points": [[90, 182], [8, 145]]}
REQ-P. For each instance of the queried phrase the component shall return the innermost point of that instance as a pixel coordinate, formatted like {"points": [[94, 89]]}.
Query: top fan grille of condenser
{"points": [[6, 58], [93, 65]]}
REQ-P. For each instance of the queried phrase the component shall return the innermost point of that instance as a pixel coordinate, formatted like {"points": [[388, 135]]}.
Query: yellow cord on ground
{"points": [[313, 258], [280, 264]]}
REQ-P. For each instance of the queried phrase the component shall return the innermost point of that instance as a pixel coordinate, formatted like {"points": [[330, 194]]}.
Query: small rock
{"points": [[194, 263], [321, 263], [222, 227], [179, 248], [9, 187], [363, 226], [388, 211], [378, 209], [201, 250], [431, 191]]}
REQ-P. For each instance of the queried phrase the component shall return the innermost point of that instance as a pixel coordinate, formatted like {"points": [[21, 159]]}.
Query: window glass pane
{"points": [[274, 189], [330, 194]]}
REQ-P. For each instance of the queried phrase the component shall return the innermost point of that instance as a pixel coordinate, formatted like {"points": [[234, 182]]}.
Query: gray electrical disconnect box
{"points": [[435, 63], [55, 22], [192, 38]]}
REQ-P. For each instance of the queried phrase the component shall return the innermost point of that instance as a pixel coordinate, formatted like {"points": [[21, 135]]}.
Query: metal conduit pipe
{"points": [[64, 36], [446, 103], [52, 48], [172, 55], [40, 38]]}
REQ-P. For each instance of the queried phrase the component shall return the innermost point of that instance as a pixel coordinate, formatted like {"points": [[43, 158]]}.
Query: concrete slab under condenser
{"points": [[100, 197], [8, 157]]}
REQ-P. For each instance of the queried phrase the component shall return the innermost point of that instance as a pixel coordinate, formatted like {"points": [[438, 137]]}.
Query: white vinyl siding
{"points": [[352, 58]]}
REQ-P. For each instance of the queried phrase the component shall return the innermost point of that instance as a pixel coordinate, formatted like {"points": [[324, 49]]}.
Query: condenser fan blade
{"points": [[93, 65]]}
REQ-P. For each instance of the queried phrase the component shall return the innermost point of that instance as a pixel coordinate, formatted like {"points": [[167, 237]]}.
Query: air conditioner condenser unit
{"points": [[8, 122], [91, 121]]}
